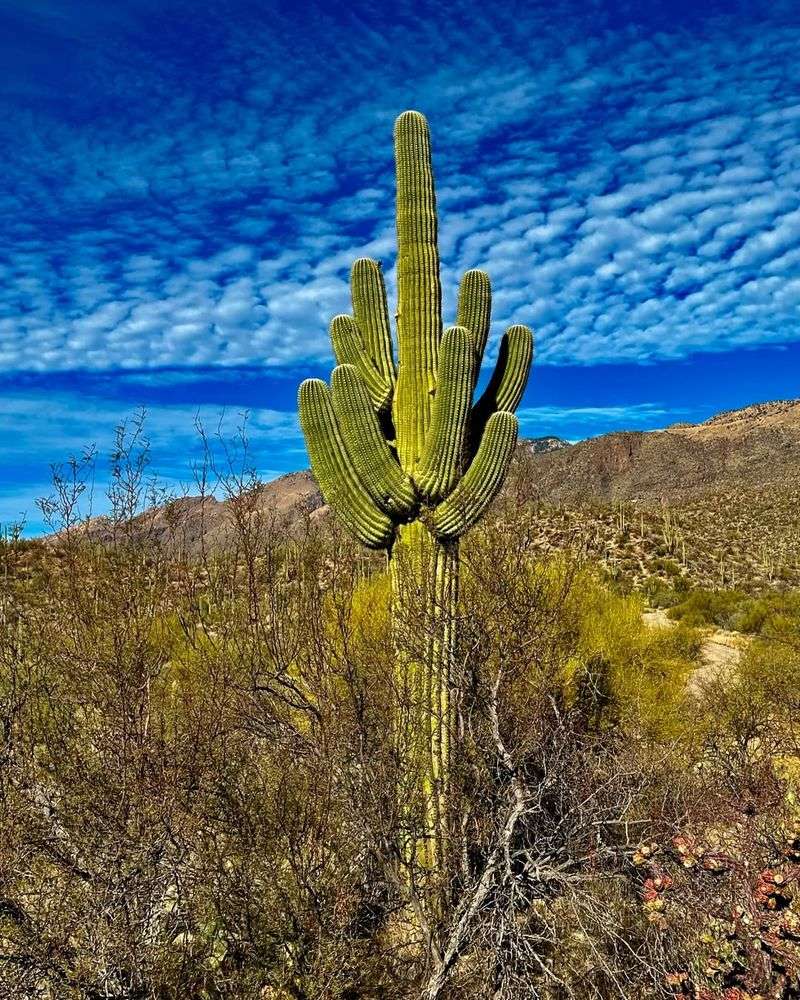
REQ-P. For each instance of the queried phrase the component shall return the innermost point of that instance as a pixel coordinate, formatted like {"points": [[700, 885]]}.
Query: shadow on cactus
{"points": [[409, 461]]}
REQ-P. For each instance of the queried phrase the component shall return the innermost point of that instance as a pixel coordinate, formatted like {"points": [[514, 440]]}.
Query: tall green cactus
{"points": [[409, 462]]}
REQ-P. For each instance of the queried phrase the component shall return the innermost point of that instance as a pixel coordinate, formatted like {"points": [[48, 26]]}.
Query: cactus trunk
{"points": [[424, 596], [409, 461]]}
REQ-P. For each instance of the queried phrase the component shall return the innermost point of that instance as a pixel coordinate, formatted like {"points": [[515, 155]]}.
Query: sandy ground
{"points": [[720, 652]]}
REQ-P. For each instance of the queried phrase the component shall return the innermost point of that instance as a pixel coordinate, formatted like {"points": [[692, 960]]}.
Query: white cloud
{"points": [[588, 421], [631, 193]]}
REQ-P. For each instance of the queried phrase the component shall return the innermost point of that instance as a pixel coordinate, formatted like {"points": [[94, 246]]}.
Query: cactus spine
{"points": [[409, 462]]}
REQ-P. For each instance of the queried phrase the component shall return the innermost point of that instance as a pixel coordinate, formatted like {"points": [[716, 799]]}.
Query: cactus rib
{"points": [[348, 346], [475, 309], [372, 458], [509, 378], [334, 470], [482, 481], [419, 324], [440, 466], [368, 293]]}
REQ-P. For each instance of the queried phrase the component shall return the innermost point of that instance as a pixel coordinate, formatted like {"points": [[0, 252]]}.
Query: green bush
{"points": [[731, 609], [752, 616], [661, 595], [706, 607]]}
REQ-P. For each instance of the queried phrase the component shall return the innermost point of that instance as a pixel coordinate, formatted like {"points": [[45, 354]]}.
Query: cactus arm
{"points": [[440, 465], [371, 313], [419, 322], [372, 458], [481, 482], [348, 346], [334, 470], [509, 378], [475, 309]]}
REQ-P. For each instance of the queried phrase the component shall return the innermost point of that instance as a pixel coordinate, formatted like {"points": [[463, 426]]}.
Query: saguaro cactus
{"points": [[409, 462]]}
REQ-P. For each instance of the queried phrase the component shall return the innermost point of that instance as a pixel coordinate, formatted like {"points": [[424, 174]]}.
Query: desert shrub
{"points": [[643, 670], [667, 566], [724, 891], [186, 800], [199, 776], [738, 611], [781, 614], [659, 594], [751, 616], [706, 607]]}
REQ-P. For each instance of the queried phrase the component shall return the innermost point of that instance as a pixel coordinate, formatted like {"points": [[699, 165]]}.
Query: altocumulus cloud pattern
{"points": [[186, 190]]}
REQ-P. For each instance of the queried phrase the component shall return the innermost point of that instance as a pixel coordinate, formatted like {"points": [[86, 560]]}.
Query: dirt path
{"points": [[720, 652]]}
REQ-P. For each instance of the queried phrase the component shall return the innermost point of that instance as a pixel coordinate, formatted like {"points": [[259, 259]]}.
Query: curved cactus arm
{"points": [[371, 312], [372, 458], [475, 310], [440, 465], [509, 378], [334, 470], [481, 482], [348, 346], [419, 309]]}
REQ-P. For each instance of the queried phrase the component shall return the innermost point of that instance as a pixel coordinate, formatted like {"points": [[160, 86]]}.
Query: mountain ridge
{"points": [[750, 447], [736, 452]]}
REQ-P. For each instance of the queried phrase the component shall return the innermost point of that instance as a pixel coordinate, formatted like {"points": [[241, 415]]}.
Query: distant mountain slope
{"points": [[738, 449], [721, 497], [198, 524]]}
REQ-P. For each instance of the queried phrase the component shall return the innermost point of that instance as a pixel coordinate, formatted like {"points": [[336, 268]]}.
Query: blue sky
{"points": [[185, 185]]}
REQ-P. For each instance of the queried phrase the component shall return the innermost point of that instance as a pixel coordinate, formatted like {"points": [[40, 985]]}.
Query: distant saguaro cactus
{"points": [[409, 462]]}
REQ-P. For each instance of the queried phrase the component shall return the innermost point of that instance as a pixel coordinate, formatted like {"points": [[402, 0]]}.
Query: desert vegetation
{"points": [[679, 542], [199, 777]]}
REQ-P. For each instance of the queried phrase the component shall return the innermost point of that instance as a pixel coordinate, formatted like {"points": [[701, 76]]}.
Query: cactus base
{"points": [[424, 575]]}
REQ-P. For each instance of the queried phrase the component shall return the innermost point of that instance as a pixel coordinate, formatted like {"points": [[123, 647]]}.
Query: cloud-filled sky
{"points": [[184, 187]]}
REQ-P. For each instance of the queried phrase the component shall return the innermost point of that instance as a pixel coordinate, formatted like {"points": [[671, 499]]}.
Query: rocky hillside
{"points": [[196, 524], [543, 445], [739, 449], [717, 502]]}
